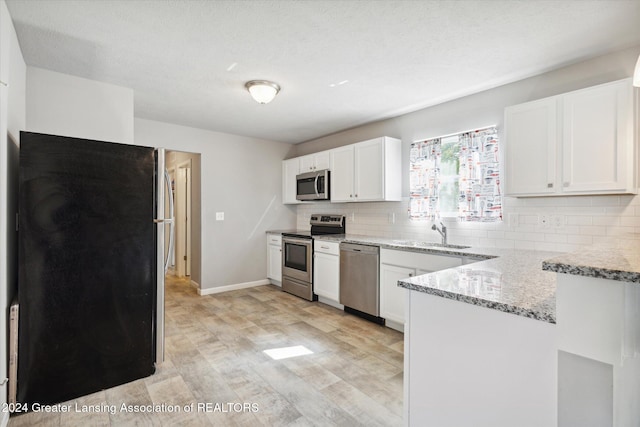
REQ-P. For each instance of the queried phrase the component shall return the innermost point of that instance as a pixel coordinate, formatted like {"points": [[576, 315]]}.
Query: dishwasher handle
{"points": [[359, 248]]}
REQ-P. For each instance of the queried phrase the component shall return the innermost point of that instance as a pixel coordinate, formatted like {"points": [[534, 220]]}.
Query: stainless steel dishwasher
{"points": [[360, 280]]}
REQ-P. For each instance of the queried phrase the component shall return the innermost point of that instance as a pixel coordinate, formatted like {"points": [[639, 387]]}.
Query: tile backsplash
{"points": [[547, 223]]}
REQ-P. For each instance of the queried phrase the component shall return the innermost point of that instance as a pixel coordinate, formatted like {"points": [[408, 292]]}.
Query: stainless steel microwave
{"points": [[313, 185]]}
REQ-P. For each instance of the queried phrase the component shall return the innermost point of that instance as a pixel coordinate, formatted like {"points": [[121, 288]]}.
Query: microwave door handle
{"points": [[315, 186]]}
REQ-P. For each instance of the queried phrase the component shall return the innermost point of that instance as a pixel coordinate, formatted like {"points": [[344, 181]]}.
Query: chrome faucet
{"points": [[442, 230]]}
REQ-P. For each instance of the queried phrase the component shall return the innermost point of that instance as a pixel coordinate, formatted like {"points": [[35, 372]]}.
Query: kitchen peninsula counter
{"points": [[508, 280], [615, 260], [516, 334]]}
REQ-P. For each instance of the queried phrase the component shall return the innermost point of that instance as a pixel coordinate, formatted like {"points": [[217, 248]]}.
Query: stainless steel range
{"points": [[297, 254]]}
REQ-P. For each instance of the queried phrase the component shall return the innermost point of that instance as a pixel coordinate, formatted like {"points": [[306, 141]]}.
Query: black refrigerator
{"points": [[91, 273]]}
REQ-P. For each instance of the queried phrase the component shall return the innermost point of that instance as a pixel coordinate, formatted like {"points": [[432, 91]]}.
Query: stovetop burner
{"points": [[321, 225]]}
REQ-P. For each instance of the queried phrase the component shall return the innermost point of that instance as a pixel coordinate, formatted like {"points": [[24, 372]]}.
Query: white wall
{"points": [[588, 219], [241, 177], [60, 104], [12, 120]]}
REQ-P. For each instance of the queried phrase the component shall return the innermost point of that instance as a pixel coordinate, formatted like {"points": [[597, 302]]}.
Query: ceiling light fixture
{"points": [[636, 74], [262, 91]]}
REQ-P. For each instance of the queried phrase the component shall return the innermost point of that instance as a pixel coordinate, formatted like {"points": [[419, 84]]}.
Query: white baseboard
{"points": [[235, 287], [394, 325], [330, 302], [195, 285]]}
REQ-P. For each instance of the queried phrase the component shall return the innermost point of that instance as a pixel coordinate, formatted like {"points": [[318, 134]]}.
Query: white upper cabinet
{"points": [[581, 142], [313, 162], [367, 171], [342, 173], [290, 168], [531, 147], [597, 139]]}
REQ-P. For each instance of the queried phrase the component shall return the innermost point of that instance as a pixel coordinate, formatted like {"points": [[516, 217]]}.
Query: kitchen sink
{"points": [[442, 245], [416, 244]]}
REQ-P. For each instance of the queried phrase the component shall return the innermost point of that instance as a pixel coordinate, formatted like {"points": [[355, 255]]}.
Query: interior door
{"points": [[170, 252], [183, 219]]}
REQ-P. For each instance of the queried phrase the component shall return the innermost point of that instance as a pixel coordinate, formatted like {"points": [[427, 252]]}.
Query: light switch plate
{"points": [[219, 216]]}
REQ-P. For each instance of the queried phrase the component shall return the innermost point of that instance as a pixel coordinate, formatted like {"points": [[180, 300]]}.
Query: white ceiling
{"points": [[398, 56]]}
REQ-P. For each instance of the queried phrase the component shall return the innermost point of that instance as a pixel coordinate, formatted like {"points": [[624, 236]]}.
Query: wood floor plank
{"points": [[216, 361]]}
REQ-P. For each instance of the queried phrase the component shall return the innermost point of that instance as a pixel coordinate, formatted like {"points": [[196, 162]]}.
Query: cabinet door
{"points": [[369, 170], [307, 163], [392, 297], [274, 261], [290, 168], [326, 276], [342, 174], [597, 138], [317, 161], [531, 147], [322, 160]]}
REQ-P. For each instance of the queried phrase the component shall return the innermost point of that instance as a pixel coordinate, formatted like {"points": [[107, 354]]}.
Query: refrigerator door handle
{"points": [[160, 260]]}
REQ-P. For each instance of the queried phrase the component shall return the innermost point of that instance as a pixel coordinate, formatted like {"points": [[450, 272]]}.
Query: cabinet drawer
{"points": [[421, 261], [322, 246], [274, 239]]}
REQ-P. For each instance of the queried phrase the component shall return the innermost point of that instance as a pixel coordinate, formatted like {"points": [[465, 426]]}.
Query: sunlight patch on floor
{"points": [[286, 352]]}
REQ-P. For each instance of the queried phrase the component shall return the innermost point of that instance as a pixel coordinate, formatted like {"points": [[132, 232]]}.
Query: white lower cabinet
{"points": [[326, 269], [396, 265], [391, 295], [274, 258]]}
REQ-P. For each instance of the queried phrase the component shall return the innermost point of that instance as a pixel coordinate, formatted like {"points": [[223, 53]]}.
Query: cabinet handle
{"points": [[351, 196], [410, 274], [356, 196], [550, 185]]}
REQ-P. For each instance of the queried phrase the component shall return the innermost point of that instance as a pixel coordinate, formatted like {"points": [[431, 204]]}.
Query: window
{"points": [[456, 176]]}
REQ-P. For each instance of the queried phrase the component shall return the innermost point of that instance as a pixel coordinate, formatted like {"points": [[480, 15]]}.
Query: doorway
{"points": [[183, 219], [185, 258]]}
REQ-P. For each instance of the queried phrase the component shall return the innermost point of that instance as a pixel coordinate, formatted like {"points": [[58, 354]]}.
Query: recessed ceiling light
{"points": [[339, 83]]}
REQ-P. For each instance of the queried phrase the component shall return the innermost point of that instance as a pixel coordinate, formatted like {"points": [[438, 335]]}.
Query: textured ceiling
{"points": [[397, 56]]}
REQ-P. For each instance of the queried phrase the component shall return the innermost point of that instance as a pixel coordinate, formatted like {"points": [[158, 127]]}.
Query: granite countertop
{"points": [[508, 280], [615, 260], [513, 283], [520, 282], [291, 230]]}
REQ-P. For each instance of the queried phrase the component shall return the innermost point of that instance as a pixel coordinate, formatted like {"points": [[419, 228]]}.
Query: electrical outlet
{"points": [[558, 220], [543, 220], [514, 220], [219, 216]]}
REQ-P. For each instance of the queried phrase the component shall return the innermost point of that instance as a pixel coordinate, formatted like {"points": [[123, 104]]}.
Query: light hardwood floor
{"points": [[215, 354]]}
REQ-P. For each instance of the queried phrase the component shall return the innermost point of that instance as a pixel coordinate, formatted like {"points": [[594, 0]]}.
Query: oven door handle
{"points": [[306, 242], [315, 186]]}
